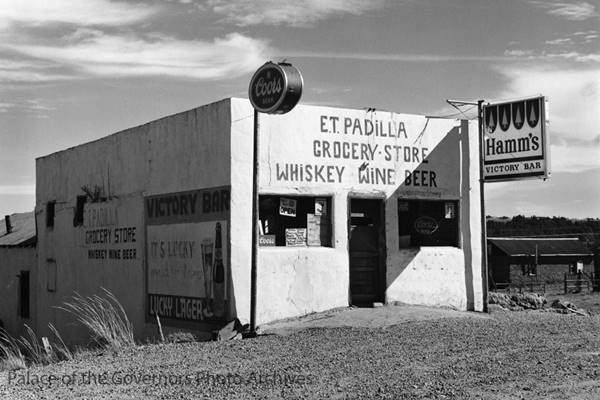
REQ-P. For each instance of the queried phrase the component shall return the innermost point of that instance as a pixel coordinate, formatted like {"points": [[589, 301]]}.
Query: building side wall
{"points": [[186, 151], [13, 260]]}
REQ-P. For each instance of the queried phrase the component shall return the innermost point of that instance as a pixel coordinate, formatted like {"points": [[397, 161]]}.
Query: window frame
{"points": [[280, 239], [78, 212], [407, 219], [25, 294], [50, 214], [51, 275]]}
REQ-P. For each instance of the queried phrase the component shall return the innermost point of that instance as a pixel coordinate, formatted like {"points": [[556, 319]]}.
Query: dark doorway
{"points": [[367, 251]]}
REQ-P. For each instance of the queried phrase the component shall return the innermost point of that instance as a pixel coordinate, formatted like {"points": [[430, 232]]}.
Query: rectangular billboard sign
{"points": [[515, 140], [187, 255]]}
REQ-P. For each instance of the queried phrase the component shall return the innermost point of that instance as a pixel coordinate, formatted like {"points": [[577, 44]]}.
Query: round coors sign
{"points": [[275, 88], [426, 225]]}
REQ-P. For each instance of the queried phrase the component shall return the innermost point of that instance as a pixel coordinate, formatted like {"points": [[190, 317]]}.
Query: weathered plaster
{"points": [[211, 146]]}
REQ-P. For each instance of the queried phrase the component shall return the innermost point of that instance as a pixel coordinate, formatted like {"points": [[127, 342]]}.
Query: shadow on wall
{"points": [[429, 251]]}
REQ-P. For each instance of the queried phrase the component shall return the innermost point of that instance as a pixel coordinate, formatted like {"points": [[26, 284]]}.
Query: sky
{"points": [[72, 71]]}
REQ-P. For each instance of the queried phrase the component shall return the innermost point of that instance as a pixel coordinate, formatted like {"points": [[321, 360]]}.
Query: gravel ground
{"points": [[512, 355]]}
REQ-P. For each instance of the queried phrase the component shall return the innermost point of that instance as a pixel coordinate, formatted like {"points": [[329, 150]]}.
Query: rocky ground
{"points": [[510, 355]]}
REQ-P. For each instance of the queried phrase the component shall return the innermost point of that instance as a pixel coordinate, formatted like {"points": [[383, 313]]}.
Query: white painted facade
{"points": [[211, 147], [296, 281]]}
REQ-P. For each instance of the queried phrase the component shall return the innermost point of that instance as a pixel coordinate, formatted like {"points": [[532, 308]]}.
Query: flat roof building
{"points": [[355, 207]]}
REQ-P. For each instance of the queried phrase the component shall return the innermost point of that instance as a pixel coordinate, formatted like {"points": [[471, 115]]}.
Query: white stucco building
{"points": [[356, 207]]}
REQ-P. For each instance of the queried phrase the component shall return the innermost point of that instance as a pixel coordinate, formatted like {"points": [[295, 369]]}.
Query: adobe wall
{"points": [[179, 153], [13, 260], [297, 280]]}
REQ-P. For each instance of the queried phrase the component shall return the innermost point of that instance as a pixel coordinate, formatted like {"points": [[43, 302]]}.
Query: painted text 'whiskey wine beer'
{"points": [[275, 88]]}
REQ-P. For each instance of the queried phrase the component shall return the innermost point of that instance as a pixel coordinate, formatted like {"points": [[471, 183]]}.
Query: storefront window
{"points": [[294, 221], [428, 223]]}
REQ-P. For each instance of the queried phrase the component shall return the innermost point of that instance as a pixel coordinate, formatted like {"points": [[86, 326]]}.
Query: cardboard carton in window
{"points": [[318, 230], [295, 237]]}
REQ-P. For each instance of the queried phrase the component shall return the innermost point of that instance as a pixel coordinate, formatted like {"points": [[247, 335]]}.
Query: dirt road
{"points": [[506, 355]]}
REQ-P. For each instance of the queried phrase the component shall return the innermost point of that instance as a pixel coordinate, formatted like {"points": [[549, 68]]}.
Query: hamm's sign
{"points": [[516, 144]]}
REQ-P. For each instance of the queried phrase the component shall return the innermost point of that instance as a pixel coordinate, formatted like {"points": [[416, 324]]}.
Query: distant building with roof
{"points": [[522, 261], [18, 260]]}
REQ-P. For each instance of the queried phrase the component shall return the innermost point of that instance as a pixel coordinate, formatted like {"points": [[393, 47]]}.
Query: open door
{"points": [[367, 251]]}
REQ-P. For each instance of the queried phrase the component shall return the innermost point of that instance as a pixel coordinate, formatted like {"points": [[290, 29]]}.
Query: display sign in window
{"points": [[295, 221], [428, 223]]}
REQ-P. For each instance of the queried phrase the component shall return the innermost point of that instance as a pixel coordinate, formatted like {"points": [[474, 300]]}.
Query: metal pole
{"points": [[484, 268], [255, 162]]}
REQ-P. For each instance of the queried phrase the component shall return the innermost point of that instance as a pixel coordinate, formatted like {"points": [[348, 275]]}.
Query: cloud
{"points": [[568, 157], [558, 42], [16, 69], [6, 106], [82, 13], [401, 57], [35, 106], [573, 104], [94, 38], [509, 56], [576, 56], [17, 189], [518, 53], [93, 53], [567, 194], [288, 12], [577, 11]]}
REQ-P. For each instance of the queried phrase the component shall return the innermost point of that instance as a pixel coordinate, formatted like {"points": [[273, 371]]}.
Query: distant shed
{"points": [[517, 261], [17, 264]]}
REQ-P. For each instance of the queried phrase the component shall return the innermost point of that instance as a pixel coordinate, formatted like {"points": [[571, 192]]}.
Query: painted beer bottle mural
{"points": [[219, 276], [207, 272]]}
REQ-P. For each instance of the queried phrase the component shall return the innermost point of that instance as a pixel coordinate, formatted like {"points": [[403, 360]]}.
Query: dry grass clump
{"points": [[104, 317], [27, 350], [11, 357], [61, 348], [35, 352]]}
